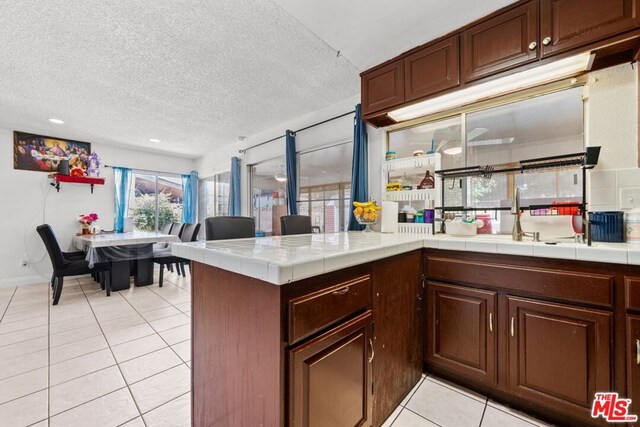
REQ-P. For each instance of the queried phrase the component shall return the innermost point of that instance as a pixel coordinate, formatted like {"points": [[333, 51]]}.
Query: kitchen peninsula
{"points": [[336, 329]]}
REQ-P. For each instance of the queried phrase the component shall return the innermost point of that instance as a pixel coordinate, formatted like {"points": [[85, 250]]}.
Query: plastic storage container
{"points": [[607, 226]]}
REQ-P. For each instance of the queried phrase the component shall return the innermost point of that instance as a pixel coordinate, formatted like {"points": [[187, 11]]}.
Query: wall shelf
{"points": [[86, 180]]}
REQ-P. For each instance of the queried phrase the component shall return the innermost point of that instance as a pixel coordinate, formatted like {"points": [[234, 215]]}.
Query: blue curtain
{"points": [[190, 197], [359, 167], [234, 188], [292, 173], [122, 180]]}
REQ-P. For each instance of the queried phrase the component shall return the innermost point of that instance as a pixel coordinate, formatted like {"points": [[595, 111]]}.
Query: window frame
{"points": [[155, 175]]}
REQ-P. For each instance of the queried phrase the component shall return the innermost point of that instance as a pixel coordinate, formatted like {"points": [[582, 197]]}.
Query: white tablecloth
{"points": [[120, 246]]}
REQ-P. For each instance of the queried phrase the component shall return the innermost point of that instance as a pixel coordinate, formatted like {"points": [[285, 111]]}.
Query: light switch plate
{"points": [[630, 198]]}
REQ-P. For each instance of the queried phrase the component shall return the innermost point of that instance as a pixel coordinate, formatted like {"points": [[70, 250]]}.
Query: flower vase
{"points": [[85, 229]]}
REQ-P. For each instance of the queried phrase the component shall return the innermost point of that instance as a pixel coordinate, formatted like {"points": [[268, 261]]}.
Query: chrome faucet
{"points": [[516, 233]]}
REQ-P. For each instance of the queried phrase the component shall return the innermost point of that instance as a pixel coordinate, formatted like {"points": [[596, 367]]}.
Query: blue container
{"points": [[607, 226]]}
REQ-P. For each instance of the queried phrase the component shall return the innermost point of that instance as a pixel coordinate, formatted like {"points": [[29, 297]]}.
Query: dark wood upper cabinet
{"points": [[432, 69], [461, 330], [330, 377], [383, 87], [567, 24], [559, 355], [502, 42]]}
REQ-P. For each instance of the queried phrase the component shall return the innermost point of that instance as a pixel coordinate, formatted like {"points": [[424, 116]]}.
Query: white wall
{"points": [[29, 200], [612, 123]]}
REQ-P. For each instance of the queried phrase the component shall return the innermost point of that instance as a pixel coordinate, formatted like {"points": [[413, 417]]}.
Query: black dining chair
{"points": [[166, 229], [229, 227], [189, 234], [176, 228], [66, 266], [295, 224]]}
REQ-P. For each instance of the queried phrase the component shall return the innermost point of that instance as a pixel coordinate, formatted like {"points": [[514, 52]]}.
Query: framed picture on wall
{"points": [[43, 153]]}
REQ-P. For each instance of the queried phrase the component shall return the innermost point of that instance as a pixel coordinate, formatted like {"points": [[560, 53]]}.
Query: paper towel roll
{"points": [[389, 220]]}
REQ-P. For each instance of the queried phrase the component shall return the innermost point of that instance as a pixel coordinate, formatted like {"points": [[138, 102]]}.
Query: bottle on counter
{"points": [[427, 182]]}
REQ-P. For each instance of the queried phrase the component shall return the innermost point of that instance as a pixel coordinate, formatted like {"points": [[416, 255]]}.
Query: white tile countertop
{"points": [[284, 259]]}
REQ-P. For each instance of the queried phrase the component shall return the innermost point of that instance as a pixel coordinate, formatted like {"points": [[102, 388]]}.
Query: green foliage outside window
{"points": [[145, 210]]}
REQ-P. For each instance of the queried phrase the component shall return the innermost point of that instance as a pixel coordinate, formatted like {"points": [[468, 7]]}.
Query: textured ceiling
{"points": [[368, 32], [194, 74], [197, 74]]}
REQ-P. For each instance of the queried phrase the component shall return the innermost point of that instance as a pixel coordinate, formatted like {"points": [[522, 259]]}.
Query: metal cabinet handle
{"points": [[533, 45], [546, 41], [341, 291], [373, 353], [637, 352], [513, 327], [490, 322]]}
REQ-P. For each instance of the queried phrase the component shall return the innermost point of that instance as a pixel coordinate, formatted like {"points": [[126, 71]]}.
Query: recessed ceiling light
{"points": [[56, 121], [154, 140]]}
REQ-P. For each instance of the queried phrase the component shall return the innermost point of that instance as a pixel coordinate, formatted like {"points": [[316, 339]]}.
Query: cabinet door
{"points": [[330, 377], [633, 363], [461, 330], [398, 332], [566, 24], [383, 88], [559, 355], [432, 69], [505, 41]]}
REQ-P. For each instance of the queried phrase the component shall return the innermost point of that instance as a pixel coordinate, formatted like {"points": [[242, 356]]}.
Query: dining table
{"points": [[130, 254]]}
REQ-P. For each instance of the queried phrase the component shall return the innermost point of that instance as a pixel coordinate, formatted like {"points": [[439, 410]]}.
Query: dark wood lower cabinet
{"points": [[558, 355], [330, 377], [633, 363], [398, 317], [461, 333]]}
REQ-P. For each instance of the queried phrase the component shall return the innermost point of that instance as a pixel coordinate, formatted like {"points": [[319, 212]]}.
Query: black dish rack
{"points": [[585, 161]]}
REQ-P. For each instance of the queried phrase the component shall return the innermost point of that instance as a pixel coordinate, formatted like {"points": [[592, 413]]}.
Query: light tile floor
{"points": [[125, 361], [93, 360]]}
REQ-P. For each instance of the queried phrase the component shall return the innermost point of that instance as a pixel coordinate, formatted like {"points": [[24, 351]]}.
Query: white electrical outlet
{"points": [[629, 198]]}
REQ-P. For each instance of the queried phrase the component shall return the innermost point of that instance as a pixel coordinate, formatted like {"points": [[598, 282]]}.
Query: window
{"points": [[268, 195], [155, 200], [325, 186], [546, 125], [214, 196]]}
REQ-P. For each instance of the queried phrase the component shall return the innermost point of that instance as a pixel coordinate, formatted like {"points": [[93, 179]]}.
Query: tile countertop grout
{"points": [[283, 259]]}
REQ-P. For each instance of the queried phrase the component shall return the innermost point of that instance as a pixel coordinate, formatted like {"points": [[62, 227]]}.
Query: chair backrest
{"points": [[190, 232], [230, 227], [295, 224], [167, 228], [176, 229], [51, 243]]}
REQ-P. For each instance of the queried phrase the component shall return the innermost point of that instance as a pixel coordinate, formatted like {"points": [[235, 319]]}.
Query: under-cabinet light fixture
{"points": [[525, 79], [56, 121], [154, 140]]}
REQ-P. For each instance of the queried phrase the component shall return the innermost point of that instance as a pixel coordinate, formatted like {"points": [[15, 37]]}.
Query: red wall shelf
{"points": [[88, 180]]}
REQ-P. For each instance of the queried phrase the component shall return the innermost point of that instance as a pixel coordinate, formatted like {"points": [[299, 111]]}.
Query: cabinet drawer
{"points": [[310, 313], [573, 286]]}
